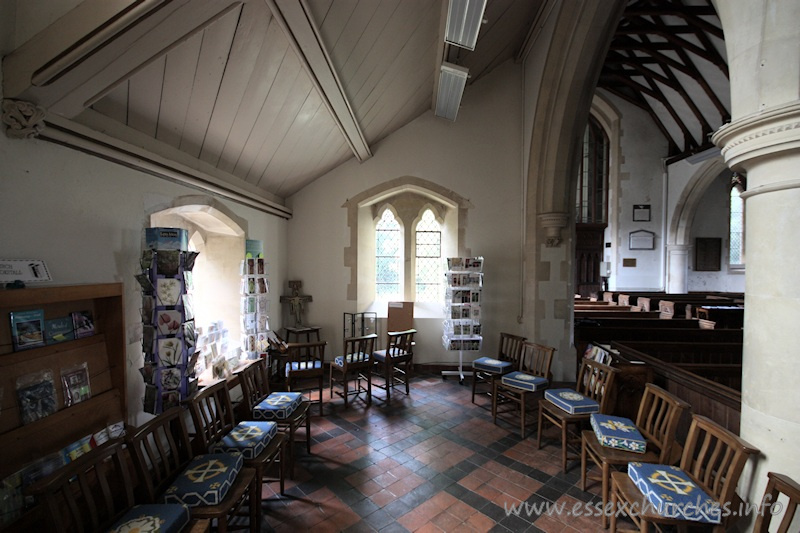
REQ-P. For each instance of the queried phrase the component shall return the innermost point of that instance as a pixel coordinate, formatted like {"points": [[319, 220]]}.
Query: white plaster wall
{"points": [[641, 179], [711, 220], [477, 157], [84, 216]]}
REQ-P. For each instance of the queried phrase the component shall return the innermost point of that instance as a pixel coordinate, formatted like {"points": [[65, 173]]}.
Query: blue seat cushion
{"points": [[359, 357], [205, 480], [571, 401], [380, 355], [618, 432], [524, 381], [303, 365], [673, 494], [277, 406], [491, 365], [153, 517], [248, 438]]}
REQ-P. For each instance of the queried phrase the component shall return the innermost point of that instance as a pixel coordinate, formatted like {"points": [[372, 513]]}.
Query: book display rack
{"points": [[462, 325], [169, 337]]}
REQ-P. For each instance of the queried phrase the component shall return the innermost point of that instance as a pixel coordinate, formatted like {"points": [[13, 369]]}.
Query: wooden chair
{"points": [[355, 364], [166, 465], [713, 458], [778, 484], [254, 379], [95, 493], [533, 376], [394, 363], [594, 382], [216, 431], [487, 369], [305, 362], [657, 421]]}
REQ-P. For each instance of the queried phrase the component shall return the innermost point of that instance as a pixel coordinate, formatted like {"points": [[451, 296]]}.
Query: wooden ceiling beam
{"points": [[647, 108], [295, 19]]}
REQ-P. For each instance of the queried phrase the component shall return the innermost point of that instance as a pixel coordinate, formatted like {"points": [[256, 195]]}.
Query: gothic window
{"points": [[736, 221], [388, 258], [428, 252], [592, 194]]}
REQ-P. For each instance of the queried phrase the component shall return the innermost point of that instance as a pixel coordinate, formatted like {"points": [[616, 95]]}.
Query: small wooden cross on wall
{"points": [[297, 301]]}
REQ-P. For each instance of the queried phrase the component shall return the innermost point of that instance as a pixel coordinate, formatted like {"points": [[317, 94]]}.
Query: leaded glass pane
{"points": [[428, 247], [736, 249], [388, 263]]}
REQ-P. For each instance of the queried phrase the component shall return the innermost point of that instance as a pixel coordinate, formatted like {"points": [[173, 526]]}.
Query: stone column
{"points": [[677, 268], [763, 140]]}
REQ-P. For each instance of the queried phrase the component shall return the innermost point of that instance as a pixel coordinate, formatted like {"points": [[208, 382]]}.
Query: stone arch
{"points": [[364, 206], [680, 225], [220, 235]]}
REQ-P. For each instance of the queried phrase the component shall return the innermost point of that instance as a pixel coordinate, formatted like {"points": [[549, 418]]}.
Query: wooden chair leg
{"points": [[320, 395], [387, 377], [494, 403], [345, 380], [406, 376], [369, 388], [539, 430], [282, 468], [584, 466], [292, 430], [604, 491], [564, 447], [521, 414], [308, 434], [614, 504]]}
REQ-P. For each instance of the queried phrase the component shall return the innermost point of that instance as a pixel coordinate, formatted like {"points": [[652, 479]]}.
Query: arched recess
{"points": [[219, 236], [409, 191], [681, 220]]}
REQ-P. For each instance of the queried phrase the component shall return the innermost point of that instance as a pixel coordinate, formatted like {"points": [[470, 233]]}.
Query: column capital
{"points": [[24, 119], [767, 134], [553, 223]]}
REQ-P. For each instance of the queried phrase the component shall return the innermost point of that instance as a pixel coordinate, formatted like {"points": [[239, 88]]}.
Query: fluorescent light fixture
{"points": [[452, 81], [464, 19]]}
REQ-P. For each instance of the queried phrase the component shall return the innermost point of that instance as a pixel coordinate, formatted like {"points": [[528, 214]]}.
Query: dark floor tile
{"points": [[360, 527], [397, 508], [394, 527], [350, 496], [549, 493], [364, 507], [379, 519]]}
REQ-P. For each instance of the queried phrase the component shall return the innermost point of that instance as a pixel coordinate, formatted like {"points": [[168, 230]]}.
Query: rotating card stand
{"points": [[462, 327]]}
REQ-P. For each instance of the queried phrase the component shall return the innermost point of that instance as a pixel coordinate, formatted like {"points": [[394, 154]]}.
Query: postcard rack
{"points": [[462, 325]]}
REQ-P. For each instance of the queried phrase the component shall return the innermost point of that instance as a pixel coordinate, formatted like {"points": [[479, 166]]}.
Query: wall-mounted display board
{"points": [[642, 240]]}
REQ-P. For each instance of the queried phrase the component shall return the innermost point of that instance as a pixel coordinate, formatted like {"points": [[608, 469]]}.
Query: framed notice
{"points": [[641, 240], [641, 213]]}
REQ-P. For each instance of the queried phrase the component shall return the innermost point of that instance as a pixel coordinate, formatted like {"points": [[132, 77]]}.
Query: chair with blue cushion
{"points": [[305, 362], [566, 408], [656, 422], [517, 386], [95, 493], [214, 486], [355, 364], [485, 370], [712, 462], [394, 363], [288, 410], [216, 431]]}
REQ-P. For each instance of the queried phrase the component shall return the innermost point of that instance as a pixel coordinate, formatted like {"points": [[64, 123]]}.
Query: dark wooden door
{"points": [[588, 255]]}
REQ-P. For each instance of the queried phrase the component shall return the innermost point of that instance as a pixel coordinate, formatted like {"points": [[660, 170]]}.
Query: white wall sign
{"points": [[26, 270]]}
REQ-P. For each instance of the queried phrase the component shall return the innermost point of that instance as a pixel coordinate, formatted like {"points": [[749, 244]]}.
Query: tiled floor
{"points": [[432, 461]]}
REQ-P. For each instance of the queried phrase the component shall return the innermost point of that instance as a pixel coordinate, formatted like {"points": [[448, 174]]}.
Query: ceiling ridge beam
{"points": [[295, 20]]}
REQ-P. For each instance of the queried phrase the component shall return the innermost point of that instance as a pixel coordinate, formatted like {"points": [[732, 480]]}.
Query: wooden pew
{"points": [[677, 367], [613, 311]]}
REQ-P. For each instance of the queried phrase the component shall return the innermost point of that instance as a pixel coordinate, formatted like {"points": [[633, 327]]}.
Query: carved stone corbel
{"points": [[24, 119], [553, 223]]}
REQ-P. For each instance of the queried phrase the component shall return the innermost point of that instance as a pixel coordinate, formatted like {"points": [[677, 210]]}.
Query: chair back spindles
{"points": [[658, 418], [510, 349], [360, 348], [536, 359], [715, 457], [595, 381], [778, 484]]}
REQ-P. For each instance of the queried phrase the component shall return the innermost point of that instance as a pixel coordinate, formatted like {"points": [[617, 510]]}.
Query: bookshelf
{"points": [[104, 353]]}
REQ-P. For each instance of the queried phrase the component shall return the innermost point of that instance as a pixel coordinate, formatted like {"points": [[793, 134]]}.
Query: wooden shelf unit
{"points": [[104, 352]]}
